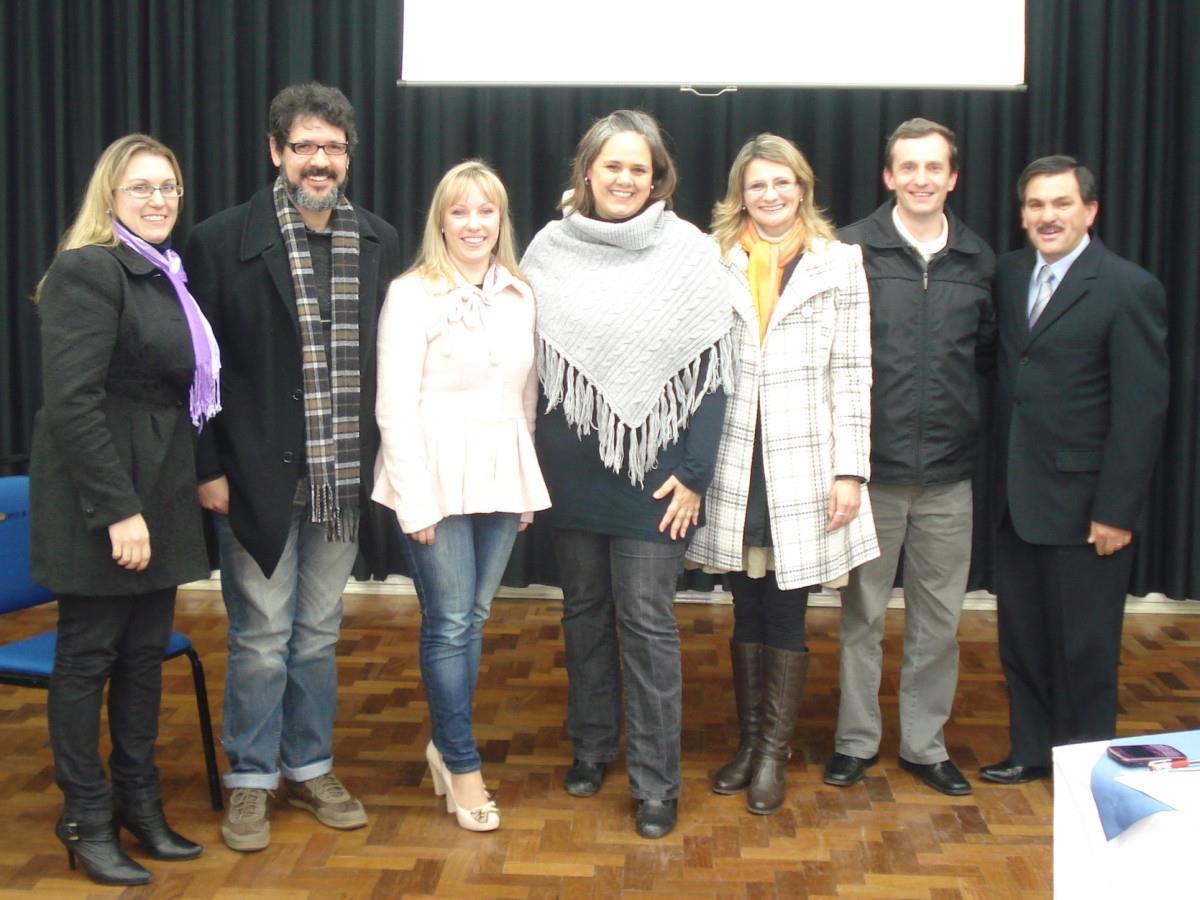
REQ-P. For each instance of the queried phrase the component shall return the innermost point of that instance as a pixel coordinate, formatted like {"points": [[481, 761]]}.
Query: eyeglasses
{"points": [[781, 186], [143, 191], [310, 148]]}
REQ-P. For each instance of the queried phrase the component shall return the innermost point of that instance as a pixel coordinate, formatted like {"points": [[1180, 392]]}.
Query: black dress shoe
{"points": [[941, 776], [1008, 772], [656, 818], [584, 778], [843, 770]]}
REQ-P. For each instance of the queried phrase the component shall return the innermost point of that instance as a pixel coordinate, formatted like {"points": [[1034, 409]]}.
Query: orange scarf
{"points": [[765, 271]]}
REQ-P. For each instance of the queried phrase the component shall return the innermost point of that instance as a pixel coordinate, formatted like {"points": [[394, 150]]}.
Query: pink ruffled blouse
{"points": [[457, 400]]}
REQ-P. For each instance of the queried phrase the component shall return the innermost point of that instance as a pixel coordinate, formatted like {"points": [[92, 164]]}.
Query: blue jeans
{"points": [[456, 577], [619, 585], [281, 684]]}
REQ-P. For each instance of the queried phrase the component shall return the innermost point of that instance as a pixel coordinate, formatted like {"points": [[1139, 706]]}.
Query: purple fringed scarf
{"points": [[204, 398]]}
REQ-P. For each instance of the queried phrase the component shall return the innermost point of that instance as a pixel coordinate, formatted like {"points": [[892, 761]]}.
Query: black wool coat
{"points": [[238, 265], [113, 437]]}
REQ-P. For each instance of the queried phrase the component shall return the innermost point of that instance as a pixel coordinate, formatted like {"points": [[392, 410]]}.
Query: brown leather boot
{"points": [[783, 688], [734, 776]]}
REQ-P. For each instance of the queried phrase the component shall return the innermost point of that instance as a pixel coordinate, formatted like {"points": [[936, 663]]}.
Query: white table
{"points": [[1156, 858]]}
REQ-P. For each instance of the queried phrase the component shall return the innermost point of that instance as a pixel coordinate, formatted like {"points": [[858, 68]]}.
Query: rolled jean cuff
{"points": [[266, 781], [309, 772]]}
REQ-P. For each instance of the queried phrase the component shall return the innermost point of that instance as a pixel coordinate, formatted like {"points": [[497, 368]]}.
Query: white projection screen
{"points": [[771, 43]]}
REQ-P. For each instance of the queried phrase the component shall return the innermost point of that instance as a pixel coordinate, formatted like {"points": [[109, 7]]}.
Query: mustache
{"points": [[317, 171]]}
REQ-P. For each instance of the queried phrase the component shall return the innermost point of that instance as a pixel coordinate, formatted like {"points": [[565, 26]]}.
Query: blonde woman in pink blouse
{"points": [[456, 405]]}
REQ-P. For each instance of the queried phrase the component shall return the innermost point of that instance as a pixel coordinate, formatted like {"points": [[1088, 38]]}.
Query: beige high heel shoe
{"points": [[480, 818]]}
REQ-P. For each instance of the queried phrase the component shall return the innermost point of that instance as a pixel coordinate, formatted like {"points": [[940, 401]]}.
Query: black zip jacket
{"points": [[933, 328]]}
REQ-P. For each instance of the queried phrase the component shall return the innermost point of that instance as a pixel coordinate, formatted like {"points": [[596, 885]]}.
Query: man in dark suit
{"points": [[1081, 400], [291, 282]]}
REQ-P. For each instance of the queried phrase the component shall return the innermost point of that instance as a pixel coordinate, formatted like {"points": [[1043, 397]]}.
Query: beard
{"points": [[316, 202]]}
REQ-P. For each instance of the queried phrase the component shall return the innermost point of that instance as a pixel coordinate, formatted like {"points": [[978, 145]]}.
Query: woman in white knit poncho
{"points": [[633, 353]]}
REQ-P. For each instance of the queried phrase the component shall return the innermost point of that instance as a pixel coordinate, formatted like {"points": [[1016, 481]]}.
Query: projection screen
{"points": [[833, 43]]}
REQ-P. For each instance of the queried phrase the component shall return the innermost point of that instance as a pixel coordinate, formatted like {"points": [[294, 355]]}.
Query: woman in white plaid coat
{"points": [[788, 508]]}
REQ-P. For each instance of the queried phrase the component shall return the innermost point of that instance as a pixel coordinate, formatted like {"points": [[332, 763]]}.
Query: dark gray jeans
{"points": [[619, 624], [119, 640]]}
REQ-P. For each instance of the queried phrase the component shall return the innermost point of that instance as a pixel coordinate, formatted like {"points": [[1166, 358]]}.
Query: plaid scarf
{"points": [[331, 439]]}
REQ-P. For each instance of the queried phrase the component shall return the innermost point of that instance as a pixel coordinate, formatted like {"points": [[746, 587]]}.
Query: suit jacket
{"points": [[238, 269], [810, 381], [113, 437], [1082, 398]]}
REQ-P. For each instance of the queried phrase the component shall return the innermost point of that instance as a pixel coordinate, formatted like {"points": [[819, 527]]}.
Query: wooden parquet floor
{"points": [[887, 837]]}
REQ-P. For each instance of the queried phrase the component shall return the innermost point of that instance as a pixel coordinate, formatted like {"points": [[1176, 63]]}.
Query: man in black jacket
{"points": [[1080, 404], [291, 282], [932, 330]]}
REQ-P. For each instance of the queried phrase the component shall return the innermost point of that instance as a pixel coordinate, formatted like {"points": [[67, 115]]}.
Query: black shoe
{"points": [[941, 776], [656, 818], [96, 845], [143, 818], [844, 771], [1008, 772], [584, 778]]}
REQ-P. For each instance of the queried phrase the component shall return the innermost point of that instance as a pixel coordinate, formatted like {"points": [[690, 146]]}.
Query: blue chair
{"points": [[28, 662]]}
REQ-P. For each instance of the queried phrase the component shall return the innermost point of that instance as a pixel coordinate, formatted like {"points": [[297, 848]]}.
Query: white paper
{"points": [[1177, 788]]}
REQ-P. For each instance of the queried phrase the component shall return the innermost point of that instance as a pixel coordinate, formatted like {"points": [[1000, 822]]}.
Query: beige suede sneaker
{"points": [[245, 826], [326, 798]]}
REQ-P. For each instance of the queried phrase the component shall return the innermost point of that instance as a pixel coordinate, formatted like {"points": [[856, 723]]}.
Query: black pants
{"points": [[764, 614], [120, 640], [1059, 612]]}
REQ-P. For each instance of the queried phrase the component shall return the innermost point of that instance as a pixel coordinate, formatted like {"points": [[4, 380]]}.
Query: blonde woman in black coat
{"points": [[129, 369]]}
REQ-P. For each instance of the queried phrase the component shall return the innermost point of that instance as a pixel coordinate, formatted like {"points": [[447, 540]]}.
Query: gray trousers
{"points": [[932, 523], [622, 643]]}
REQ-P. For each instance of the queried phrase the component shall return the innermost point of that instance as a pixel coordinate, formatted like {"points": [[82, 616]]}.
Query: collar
{"points": [[879, 231], [1060, 267], [927, 248], [261, 231], [131, 259], [635, 233]]}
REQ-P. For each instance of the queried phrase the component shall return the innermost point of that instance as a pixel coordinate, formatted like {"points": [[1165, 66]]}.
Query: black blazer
{"points": [[238, 270], [1081, 400], [113, 437]]}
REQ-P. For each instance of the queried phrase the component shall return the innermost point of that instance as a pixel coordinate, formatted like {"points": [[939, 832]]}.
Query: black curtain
{"points": [[1113, 82]]}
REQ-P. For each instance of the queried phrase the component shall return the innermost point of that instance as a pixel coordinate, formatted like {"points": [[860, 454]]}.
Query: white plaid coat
{"points": [[811, 378]]}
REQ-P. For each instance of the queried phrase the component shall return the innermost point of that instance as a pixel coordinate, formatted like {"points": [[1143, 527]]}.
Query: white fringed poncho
{"points": [[626, 312]]}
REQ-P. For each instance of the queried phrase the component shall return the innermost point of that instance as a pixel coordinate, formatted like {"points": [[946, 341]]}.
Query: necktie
{"points": [[1045, 290]]}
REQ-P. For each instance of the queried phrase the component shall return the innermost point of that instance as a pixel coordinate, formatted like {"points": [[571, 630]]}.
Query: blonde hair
{"points": [[93, 223], [433, 263], [579, 196], [729, 215]]}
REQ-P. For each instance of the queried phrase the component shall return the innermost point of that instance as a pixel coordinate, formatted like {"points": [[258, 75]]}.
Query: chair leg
{"points": [[206, 733]]}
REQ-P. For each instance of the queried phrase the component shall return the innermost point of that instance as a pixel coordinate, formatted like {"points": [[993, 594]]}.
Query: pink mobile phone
{"points": [[1143, 754]]}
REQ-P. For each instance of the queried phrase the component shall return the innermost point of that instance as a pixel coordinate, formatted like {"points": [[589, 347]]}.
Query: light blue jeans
{"points": [[456, 577], [281, 684]]}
